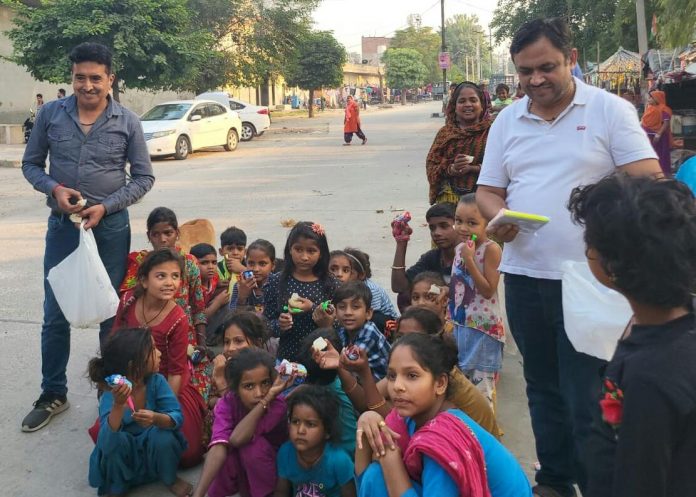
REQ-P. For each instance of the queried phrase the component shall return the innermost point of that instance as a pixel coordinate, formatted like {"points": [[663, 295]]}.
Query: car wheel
{"points": [[232, 140], [183, 148], [248, 132]]}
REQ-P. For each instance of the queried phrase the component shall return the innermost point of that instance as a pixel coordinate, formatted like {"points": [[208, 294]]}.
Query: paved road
{"points": [[306, 176]]}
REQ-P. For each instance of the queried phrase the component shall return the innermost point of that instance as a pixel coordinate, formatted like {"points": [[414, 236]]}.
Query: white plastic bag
{"points": [[594, 315], [82, 286]]}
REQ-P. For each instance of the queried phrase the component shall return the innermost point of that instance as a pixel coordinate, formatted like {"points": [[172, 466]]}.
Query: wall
{"points": [[373, 47], [361, 75]]}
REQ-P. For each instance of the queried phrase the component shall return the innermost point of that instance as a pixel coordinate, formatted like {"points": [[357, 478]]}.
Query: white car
{"points": [[256, 119], [182, 126]]}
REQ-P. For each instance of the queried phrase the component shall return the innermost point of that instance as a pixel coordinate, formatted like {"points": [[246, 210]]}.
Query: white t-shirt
{"points": [[539, 163]]}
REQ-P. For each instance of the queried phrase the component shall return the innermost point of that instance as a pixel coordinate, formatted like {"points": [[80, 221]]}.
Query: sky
{"points": [[351, 19]]}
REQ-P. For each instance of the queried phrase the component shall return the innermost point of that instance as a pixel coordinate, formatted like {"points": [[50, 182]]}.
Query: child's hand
{"points": [[401, 231], [219, 363], [372, 425], [121, 393], [279, 385], [306, 305], [285, 321], [245, 287], [323, 319], [144, 417], [234, 265], [468, 250], [327, 359], [355, 365]]}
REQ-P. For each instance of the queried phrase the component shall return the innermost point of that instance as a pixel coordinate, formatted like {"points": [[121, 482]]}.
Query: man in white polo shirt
{"points": [[564, 133]]}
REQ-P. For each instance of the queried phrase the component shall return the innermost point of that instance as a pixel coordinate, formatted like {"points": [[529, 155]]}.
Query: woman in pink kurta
{"points": [[351, 123]]}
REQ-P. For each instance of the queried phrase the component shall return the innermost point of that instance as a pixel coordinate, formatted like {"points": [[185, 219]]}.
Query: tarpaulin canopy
{"points": [[621, 70]]}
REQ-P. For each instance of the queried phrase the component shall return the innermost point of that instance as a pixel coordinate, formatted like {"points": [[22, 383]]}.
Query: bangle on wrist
{"points": [[355, 385], [377, 405], [398, 267]]}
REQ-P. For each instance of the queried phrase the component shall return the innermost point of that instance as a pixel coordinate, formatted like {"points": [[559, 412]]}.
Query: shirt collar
{"points": [[113, 108], [647, 334], [580, 98]]}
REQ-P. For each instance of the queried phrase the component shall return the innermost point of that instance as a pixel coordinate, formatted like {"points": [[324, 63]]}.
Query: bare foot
{"points": [[181, 488]]}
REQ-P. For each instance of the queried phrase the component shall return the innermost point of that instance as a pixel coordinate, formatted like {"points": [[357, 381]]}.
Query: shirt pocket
{"points": [[62, 144], [115, 144]]}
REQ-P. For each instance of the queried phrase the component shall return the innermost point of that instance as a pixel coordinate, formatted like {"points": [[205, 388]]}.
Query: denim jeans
{"points": [[563, 385], [62, 238]]}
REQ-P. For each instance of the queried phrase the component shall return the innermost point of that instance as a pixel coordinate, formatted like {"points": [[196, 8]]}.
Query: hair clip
{"points": [[318, 229]]}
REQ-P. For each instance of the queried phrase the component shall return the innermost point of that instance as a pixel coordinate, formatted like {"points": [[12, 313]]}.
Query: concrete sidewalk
{"points": [[11, 155]]}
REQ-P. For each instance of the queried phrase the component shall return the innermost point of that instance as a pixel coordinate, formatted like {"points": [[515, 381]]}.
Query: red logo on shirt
{"points": [[581, 128]]}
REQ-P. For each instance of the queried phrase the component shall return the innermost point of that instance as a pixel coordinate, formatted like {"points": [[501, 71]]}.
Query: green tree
{"points": [[404, 69], [254, 41], [424, 41], [153, 42], [678, 26], [317, 62], [463, 33]]}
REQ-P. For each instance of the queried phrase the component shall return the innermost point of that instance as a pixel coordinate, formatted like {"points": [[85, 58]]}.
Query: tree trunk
{"points": [[311, 103], [403, 96], [116, 91]]}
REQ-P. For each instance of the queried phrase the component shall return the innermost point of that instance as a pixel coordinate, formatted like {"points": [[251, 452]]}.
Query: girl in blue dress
{"points": [[425, 446], [139, 438]]}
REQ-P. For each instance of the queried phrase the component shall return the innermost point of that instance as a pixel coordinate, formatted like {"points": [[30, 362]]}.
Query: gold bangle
{"points": [[377, 405], [398, 267], [355, 385]]}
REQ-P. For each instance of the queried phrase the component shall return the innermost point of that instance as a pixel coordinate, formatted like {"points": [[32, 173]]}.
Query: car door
{"points": [[219, 119], [198, 129]]}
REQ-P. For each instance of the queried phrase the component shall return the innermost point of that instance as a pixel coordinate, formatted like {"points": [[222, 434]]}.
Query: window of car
{"points": [[236, 105], [199, 111], [215, 110], [166, 112]]}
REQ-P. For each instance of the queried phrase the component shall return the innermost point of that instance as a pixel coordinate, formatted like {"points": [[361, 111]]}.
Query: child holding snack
{"points": [[293, 298], [640, 237], [232, 249], [428, 289], [474, 303], [250, 425], [440, 219], [139, 439], [353, 311], [310, 463], [151, 305], [260, 263]]}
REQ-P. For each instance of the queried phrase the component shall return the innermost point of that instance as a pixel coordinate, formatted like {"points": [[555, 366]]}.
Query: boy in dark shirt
{"points": [[641, 241], [440, 218]]}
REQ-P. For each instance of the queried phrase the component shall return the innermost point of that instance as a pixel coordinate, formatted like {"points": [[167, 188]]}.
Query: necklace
{"points": [[148, 321]]}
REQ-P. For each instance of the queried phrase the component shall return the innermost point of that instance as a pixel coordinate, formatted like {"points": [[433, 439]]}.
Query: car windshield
{"points": [[166, 112]]}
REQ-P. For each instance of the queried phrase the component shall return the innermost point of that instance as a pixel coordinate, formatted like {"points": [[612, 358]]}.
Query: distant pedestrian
{"points": [[39, 102], [88, 139], [351, 123], [656, 123], [61, 93]]}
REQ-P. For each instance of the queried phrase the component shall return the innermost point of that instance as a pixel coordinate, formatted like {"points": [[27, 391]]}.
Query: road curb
{"points": [[16, 164]]}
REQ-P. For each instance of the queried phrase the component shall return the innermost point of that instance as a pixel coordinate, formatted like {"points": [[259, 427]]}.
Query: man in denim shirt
{"points": [[89, 138]]}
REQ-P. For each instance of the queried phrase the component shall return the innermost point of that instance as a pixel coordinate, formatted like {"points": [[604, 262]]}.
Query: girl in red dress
{"points": [[151, 305]]}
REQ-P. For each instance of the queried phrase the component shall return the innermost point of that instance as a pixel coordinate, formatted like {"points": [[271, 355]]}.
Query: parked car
{"points": [[182, 126], [256, 119]]}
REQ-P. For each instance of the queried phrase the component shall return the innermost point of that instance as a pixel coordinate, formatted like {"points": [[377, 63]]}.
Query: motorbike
{"points": [[28, 125]]}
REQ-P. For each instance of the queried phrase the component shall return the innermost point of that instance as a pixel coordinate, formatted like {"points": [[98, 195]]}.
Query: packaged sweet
{"points": [[286, 369], [295, 300], [319, 344], [353, 352], [117, 379], [400, 228], [327, 306]]}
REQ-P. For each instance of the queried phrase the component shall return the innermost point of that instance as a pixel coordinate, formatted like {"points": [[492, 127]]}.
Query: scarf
{"points": [[652, 119], [451, 444], [450, 141]]}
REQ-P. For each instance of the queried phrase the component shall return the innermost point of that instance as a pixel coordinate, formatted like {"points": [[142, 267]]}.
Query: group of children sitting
{"points": [[322, 389], [307, 365]]}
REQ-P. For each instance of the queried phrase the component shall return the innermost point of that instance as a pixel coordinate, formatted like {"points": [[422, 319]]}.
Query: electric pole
{"points": [[444, 47], [642, 29]]}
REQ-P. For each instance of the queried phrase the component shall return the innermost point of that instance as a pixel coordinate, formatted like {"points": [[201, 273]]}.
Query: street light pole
{"points": [[444, 48], [642, 29]]}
